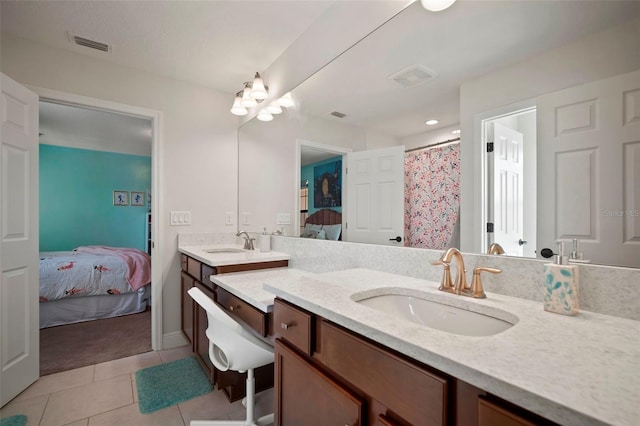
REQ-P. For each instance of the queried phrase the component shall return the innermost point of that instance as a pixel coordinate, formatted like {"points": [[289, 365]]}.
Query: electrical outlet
{"points": [[180, 218], [245, 218], [228, 218]]}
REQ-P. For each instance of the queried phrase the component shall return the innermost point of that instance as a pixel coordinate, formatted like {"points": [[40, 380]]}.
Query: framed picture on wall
{"points": [[137, 198], [120, 198], [327, 185]]}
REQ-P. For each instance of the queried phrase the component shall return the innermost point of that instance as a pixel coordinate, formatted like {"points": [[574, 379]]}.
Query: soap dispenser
{"points": [[265, 241], [561, 285]]}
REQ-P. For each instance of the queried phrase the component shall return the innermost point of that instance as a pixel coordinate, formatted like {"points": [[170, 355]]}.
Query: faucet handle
{"points": [[445, 283], [476, 289]]}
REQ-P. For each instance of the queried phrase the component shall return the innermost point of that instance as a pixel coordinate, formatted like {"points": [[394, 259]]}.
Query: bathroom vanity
{"points": [[361, 366], [342, 360], [197, 265]]}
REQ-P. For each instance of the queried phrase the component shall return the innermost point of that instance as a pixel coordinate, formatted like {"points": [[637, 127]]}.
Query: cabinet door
{"points": [[201, 342], [490, 414], [304, 395], [186, 282]]}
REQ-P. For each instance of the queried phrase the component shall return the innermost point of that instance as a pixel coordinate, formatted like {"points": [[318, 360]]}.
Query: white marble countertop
{"points": [[200, 253], [581, 370], [248, 285]]}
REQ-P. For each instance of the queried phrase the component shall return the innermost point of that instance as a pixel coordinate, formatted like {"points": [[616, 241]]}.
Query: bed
{"points": [[93, 282], [325, 224]]}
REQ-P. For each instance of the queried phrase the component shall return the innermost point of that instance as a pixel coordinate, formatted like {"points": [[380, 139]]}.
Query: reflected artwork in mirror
{"points": [[546, 95]]}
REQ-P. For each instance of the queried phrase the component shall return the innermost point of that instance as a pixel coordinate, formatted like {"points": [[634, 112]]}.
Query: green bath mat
{"points": [[170, 383], [18, 420]]}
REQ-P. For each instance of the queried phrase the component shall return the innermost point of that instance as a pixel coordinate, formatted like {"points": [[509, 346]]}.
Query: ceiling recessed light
{"points": [[456, 132], [431, 122]]}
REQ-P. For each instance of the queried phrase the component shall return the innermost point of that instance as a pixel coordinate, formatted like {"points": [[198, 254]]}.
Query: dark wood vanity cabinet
{"points": [[194, 321], [327, 375]]}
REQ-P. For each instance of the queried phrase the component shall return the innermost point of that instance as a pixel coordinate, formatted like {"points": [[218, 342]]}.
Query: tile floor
{"points": [[105, 395]]}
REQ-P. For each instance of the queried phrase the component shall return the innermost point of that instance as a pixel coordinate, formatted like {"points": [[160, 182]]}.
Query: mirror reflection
{"points": [[528, 90]]}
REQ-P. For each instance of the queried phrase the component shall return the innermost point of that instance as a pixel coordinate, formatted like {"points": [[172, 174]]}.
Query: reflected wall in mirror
{"points": [[468, 79]]}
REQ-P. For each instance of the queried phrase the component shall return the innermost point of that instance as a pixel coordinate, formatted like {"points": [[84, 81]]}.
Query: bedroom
{"points": [[95, 180]]}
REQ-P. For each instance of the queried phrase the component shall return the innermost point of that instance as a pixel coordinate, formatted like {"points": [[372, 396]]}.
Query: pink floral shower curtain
{"points": [[431, 196]]}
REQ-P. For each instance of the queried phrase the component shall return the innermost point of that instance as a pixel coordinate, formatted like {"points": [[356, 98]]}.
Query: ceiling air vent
{"points": [[92, 44], [338, 114], [413, 76]]}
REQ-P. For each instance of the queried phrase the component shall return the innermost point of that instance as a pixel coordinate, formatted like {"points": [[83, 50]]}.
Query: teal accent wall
{"points": [[306, 173], [76, 198]]}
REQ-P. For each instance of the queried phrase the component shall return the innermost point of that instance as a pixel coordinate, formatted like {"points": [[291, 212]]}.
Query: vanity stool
{"points": [[231, 347]]}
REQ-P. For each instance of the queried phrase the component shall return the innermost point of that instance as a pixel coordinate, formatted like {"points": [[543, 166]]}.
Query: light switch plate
{"points": [[180, 218], [245, 218], [283, 219]]}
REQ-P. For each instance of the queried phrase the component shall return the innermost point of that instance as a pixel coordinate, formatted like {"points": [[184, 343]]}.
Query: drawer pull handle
{"points": [[231, 307], [285, 326]]}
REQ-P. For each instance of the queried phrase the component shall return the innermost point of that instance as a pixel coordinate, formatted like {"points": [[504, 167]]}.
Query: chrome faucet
{"points": [[248, 241], [459, 285]]}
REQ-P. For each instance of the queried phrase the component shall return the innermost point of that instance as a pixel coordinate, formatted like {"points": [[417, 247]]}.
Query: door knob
{"points": [[398, 239], [521, 242]]}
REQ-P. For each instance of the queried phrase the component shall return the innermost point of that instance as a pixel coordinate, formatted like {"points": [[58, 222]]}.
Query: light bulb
{"points": [[286, 101], [274, 108], [237, 108], [431, 122], [264, 115], [247, 100], [258, 91], [436, 5]]}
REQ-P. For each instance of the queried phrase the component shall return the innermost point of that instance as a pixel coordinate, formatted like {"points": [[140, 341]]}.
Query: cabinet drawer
{"points": [[200, 271], [419, 396], [237, 307], [293, 325], [492, 414]]}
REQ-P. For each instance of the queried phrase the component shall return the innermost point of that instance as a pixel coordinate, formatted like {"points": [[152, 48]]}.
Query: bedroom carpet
{"points": [[66, 347]]}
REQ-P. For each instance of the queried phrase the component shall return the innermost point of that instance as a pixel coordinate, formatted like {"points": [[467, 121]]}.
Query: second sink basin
{"points": [[224, 250], [438, 315]]}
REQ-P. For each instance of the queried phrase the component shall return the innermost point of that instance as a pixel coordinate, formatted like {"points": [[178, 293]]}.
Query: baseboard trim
{"points": [[173, 340]]}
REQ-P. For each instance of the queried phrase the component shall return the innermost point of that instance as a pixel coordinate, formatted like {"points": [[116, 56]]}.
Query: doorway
{"points": [[86, 156], [154, 229], [509, 141]]}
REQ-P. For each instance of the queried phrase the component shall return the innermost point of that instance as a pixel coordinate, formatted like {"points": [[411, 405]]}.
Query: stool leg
{"points": [[251, 393]]}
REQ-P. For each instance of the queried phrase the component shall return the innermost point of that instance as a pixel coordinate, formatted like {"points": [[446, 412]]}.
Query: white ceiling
{"points": [[219, 44]]}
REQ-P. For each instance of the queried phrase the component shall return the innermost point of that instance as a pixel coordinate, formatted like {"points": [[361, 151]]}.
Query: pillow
{"points": [[321, 235], [332, 231], [309, 234], [311, 227]]}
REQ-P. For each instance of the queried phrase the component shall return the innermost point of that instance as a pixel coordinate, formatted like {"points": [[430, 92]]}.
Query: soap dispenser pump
{"points": [[561, 285], [265, 241]]}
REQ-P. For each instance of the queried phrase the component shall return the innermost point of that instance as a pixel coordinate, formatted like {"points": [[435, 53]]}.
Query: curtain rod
{"points": [[433, 145]]}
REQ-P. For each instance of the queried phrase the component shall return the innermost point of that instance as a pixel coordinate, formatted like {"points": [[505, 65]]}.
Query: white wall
{"points": [[429, 138], [198, 152], [611, 52]]}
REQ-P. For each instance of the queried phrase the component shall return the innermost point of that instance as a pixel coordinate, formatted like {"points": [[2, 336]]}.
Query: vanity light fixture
{"points": [[436, 5], [431, 122], [286, 101], [258, 90], [274, 108], [264, 115], [247, 100], [456, 132], [238, 108]]}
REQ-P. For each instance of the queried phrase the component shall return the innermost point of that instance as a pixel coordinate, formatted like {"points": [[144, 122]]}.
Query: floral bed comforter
{"points": [[78, 274]]}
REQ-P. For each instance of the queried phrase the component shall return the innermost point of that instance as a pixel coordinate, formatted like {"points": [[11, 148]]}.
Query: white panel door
{"points": [[508, 185], [375, 193], [19, 315], [589, 169]]}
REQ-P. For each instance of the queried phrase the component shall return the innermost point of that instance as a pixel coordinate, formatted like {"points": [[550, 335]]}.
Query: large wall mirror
{"points": [[540, 81]]}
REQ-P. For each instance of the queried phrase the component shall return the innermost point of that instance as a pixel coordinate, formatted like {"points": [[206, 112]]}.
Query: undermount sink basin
{"points": [[438, 315], [224, 250]]}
